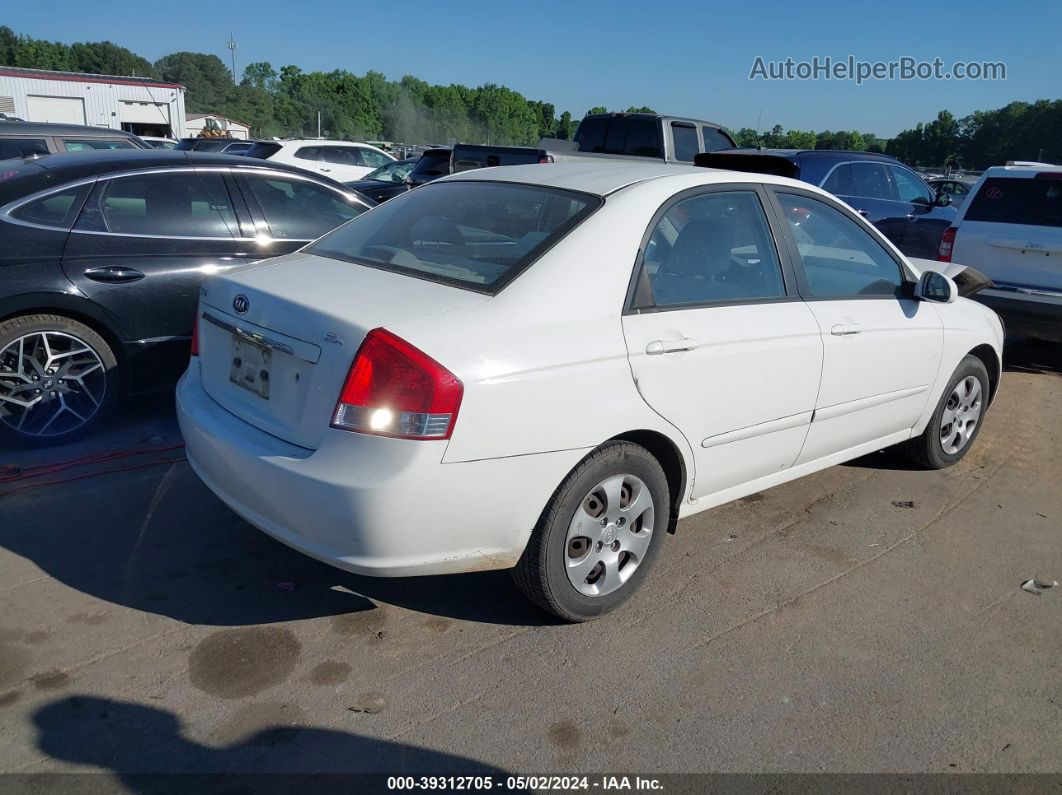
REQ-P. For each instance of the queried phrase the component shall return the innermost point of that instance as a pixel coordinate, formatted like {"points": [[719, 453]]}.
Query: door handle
{"points": [[326, 169], [657, 347], [911, 216], [864, 213], [845, 329], [114, 274]]}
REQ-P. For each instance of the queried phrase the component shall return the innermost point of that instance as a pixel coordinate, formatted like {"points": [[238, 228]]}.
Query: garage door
{"points": [[58, 110], [145, 113]]}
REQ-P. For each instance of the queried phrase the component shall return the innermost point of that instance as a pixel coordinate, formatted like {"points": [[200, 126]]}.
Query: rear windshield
{"points": [[431, 166], [1005, 200], [475, 235], [467, 158], [620, 136], [263, 150]]}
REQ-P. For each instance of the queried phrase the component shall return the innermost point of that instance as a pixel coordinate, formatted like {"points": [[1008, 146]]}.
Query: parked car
{"points": [[340, 160], [672, 139], [434, 163], [1010, 228], [386, 181], [880, 188], [101, 257], [228, 146], [548, 366], [956, 187], [159, 143], [26, 138]]}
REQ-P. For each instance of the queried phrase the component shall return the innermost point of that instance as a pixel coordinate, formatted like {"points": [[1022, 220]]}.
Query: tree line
{"points": [[369, 106]]}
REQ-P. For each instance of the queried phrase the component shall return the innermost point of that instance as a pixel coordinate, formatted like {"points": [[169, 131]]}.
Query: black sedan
{"points": [[101, 256]]}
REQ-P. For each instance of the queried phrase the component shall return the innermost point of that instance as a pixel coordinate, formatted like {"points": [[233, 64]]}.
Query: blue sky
{"points": [[682, 56]]}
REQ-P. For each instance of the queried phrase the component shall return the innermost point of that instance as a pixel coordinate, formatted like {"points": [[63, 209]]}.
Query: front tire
{"points": [[599, 534], [957, 419], [58, 379]]}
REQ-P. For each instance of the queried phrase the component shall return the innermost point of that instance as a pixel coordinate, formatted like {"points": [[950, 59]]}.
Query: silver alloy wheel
{"points": [[609, 535], [960, 415], [51, 383]]}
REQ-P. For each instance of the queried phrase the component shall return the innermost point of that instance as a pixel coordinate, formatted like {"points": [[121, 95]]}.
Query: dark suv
{"points": [[29, 138], [101, 257], [880, 188]]}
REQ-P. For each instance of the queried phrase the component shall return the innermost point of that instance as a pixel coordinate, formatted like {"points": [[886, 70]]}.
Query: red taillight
{"points": [[195, 332], [545, 158], [395, 389], [947, 244]]}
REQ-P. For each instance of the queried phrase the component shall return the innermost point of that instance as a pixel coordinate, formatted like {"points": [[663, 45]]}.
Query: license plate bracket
{"points": [[251, 364]]}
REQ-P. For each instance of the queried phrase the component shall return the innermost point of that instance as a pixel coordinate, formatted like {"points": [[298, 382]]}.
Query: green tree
{"points": [[206, 77], [107, 58], [260, 75], [643, 109], [597, 109]]}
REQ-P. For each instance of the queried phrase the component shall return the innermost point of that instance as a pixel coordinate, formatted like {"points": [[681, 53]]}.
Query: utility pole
{"points": [[232, 49], [318, 124]]}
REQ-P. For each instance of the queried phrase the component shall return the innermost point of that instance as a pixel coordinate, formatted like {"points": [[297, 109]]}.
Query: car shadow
{"points": [[147, 749], [1032, 356], [157, 540]]}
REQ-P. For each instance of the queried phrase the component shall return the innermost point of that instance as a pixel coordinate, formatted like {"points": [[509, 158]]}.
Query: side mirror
{"points": [[936, 287], [943, 200]]}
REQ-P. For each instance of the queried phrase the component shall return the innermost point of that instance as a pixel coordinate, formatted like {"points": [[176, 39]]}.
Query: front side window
{"points": [[715, 139], [177, 204], [476, 235], [711, 248], [910, 188], [56, 210], [22, 147], [374, 159], [90, 144], [340, 155], [297, 209], [686, 143], [841, 259], [870, 181]]}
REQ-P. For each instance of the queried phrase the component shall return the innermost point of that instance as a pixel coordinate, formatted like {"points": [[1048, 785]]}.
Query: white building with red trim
{"points": [[138, 105]]}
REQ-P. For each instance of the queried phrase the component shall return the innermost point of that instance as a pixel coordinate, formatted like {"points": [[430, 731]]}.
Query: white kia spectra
{"points": [[545, 367]]}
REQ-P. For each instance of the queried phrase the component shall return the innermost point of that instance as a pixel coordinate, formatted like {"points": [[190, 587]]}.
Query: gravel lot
{"points": [[867, 618]]}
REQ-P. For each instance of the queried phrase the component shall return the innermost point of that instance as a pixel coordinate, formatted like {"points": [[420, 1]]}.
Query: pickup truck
{"points": [[639, 135]]}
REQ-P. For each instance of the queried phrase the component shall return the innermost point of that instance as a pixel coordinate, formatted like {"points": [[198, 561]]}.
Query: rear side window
{"points": [[297, 209], [58, 210], [686, 143], [1006, 200], [340, 155], [870, 181], [22, 147], [839, 182], [90, 144], [476, 235], [307, 153], [620, 136], [715, 139], [840, 258], [712, 248], [177, 204]]}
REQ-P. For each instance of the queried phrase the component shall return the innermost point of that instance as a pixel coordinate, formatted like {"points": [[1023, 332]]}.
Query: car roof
{"points": [[825, 154], [60, 168], [46, 128], [603, 178], [1022, 169]]}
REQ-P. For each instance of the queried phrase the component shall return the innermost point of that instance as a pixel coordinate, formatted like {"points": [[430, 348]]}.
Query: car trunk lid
{"points": [[277, 338]]}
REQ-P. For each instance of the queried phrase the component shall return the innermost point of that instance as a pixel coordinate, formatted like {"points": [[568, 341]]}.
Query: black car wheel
{"points": [[58, 379]]}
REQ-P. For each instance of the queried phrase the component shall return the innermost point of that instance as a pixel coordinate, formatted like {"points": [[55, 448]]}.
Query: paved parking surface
{"points": [[867, 618]]}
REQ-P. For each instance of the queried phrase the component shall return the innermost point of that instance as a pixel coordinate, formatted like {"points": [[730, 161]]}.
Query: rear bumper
{"points": [[368, 504], [1026, 314]]}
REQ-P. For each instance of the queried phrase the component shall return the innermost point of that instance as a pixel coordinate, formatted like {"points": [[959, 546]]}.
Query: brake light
{"points": [[195, 332], [395, 389], [545, 158], [947, 244]]}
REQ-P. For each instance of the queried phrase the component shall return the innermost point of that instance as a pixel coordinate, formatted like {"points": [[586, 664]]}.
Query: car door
{"points": [[342, 163], [140, 247], [867, 187], [881, 347], [290, 210], [719, 343], [926, 221]]}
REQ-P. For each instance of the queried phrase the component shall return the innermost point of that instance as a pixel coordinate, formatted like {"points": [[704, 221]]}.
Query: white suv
{"points": [[1010, 229], [343, 161]]}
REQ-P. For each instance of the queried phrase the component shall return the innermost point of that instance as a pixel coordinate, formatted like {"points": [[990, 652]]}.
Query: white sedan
{"points": [[546, 367]]}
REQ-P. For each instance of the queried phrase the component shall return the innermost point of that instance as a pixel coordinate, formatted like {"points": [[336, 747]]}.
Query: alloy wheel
{"points": [[51, 384]]}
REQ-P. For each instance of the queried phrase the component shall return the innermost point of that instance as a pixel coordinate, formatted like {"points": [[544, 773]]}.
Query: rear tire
{"points": [[58, 379], [598, 535], [957, 420]]}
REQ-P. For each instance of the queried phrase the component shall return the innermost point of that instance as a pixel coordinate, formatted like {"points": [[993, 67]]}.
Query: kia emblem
{"points": [[241, 304]]}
